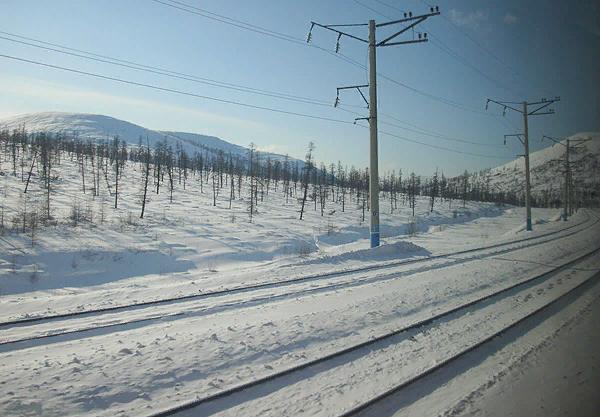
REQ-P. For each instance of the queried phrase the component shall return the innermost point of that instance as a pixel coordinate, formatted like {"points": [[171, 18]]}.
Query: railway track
{"points": [[103, 320], [421, 348], [566, 231]]}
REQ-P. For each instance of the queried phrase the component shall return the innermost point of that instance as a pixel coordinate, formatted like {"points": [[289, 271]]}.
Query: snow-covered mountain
{"points": [[547, 168], [98, 128]]}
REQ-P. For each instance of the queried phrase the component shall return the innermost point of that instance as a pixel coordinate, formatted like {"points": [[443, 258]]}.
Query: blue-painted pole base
{"points": [[374, 240], [529, 225]]}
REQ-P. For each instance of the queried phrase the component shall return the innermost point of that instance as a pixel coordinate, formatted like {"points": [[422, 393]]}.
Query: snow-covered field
{"points": [[179, 351]]}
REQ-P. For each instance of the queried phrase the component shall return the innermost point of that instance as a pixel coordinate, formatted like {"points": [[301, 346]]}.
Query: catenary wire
{"points": [[424, 132], [435, 98], [450, 52], [237, 87], [309, 101], [172, 74], [292, 39], [170, 90], [233, 102], [442, 148], [485, 49], [392, 7], [463, 61], [370, 8]]}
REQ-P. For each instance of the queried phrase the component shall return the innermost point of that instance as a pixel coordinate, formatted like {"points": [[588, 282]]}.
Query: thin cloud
{"points": [[279, 149], [510, 19], [64, 96], [473, 20]]}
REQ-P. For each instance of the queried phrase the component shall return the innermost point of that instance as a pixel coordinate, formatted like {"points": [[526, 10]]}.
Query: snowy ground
{"points": [[544, 368], [213, 343]]}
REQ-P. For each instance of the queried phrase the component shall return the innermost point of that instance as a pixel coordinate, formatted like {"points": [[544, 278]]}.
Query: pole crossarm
{"points": [[557, 141], [405, 42], [518, 135], [535, 112], [415, 19], [423, 17], [504, 104], [507, 105], [358, 87], [541, 105], [372, 101], [329, 27], [385, 41]]}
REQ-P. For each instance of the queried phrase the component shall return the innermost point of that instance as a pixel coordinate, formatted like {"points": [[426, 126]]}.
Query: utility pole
{"points": [[567, 184], [372, 104], [541, 104], [579, 142], [373, 156]]}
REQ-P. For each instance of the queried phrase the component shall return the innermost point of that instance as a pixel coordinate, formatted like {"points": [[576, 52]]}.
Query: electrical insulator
{"points": [[425, 35], [336, 102], [505, 141], [420, 36], [504, 111], [432, 10], [437, 8], [337, 45], [405, 15], [309, 37], [486, 105], [409, 14]]}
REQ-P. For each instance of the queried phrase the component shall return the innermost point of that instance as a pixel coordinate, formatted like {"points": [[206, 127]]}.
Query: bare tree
{"points": [[434, 189], [252, 174], [145, 174], [465, 187], [307, 168]]}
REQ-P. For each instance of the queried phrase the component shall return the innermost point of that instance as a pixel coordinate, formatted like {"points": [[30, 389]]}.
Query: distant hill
{"points": [[547, 166], [547, 171], [98, 128]]}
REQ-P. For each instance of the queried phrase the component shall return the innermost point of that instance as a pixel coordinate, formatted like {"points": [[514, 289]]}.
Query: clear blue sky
{"points": [[541, 49]]}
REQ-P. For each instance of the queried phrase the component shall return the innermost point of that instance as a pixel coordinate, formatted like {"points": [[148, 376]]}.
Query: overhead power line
{"points": [[439, 99], [370, 8], [485, 49], [442, 148], [227, 20], [441, 136], [447, 49], [425, 132], [164, 72], [463, 61], [170, 90], [395, 8], [178, 75], [257, 29]]}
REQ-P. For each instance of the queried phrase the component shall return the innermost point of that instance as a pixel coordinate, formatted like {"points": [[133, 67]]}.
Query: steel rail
{"points": [[374, 341], [355, 282], [280, 283]]}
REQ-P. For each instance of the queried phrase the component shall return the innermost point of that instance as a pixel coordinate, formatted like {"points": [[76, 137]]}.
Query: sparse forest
{"points": [[37, 160]]}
